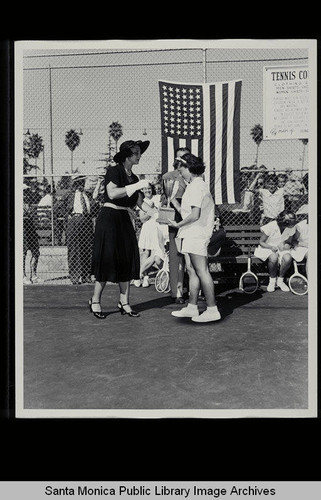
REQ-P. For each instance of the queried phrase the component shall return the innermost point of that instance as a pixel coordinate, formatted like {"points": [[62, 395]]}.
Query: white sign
{"points": [[286, 102]]}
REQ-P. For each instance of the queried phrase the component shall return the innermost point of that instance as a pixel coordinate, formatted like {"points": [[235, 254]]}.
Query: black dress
{"points": [[115, 255]]}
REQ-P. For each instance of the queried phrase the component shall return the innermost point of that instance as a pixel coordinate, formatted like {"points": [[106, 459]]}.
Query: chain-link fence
{"points": [[79, 105]]}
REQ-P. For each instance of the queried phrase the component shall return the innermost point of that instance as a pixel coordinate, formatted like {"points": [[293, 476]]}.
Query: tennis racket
{"points": [[298, 283], [249, 281], [162, 277]]}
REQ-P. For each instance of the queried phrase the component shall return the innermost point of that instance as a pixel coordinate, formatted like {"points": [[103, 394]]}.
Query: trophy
{"points": [[168, 212]]}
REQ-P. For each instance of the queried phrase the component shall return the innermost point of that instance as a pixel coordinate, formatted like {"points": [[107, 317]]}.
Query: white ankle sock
{"points": [[192, 307], [212, 309]]}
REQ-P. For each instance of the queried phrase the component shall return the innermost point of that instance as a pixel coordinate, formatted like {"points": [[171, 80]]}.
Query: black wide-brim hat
{"points": [[126, 146]]}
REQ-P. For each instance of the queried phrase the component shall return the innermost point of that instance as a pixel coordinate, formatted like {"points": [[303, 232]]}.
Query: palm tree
{"points": [[72, 140], [257, 136], [32, 147], [115, 131]]}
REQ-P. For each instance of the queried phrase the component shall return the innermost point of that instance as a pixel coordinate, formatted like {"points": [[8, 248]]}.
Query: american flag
{"points": [[206, 119]]}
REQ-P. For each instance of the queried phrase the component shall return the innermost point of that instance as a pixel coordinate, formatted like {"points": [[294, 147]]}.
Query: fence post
{"points": [[51, 158], [204, 66]]}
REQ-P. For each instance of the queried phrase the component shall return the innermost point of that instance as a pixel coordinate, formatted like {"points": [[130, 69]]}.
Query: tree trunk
{"points": [[72, 162]]}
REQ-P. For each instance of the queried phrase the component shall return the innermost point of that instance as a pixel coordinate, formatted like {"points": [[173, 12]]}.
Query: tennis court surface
{"points": [[256, 357]]}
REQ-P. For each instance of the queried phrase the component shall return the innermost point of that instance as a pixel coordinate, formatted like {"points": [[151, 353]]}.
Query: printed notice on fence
{"points": [[286, 102]]}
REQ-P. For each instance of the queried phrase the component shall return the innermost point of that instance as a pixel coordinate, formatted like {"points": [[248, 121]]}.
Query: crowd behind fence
{"points": [[46, 205]]}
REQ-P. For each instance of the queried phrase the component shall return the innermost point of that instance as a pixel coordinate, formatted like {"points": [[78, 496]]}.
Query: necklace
{"points": [[129, 174]]}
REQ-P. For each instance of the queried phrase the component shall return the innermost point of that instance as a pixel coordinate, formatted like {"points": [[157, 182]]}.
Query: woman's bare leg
{"points": [[200, 264]]}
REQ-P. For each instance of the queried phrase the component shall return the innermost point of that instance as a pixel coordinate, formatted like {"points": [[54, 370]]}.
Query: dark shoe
{"points": [[132, 313], [97, 314], [178, 300]]}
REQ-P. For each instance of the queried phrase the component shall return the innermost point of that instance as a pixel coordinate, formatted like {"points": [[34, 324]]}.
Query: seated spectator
{"points": [[275, 248], [299, 251]]}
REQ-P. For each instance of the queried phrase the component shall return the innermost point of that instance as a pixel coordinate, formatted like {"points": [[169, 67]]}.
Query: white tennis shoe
{"points": [[145, 281], [280, 283], [186, 312], [207, 316], [271, 285]]}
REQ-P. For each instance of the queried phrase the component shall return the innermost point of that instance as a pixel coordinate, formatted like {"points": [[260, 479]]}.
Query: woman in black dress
{"points": [[115, 251]]}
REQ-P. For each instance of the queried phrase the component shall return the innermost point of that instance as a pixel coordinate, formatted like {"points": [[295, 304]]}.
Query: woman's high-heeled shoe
{"points": [[97, 314], [132, 313]]}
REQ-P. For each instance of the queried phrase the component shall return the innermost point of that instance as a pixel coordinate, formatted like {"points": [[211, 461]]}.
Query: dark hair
{"points": [[153, 189], [64, 183], [176, 162], [194, 164], [271, 178], [286, 216], [182, 149]]}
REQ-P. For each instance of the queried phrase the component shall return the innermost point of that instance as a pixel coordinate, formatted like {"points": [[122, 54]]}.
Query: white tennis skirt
{"points": [[197, 246], [264, 253], [299, 253]]}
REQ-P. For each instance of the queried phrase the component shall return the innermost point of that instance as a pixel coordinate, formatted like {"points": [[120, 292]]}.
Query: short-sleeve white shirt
{"points": [[273, 203], [198, 195], [303, 232], [275, 237]]}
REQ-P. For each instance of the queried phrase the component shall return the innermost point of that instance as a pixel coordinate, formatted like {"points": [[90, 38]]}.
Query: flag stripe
{"points": [[206, 146], [213, 138], [218, 147], [228, 192], [230, 149], [236, 139], [224, 141]]}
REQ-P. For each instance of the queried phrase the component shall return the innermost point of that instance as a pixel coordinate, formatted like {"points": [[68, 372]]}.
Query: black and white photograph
{"points": [[166, 228]]}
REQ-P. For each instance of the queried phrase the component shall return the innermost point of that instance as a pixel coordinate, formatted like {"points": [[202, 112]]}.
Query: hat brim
{"points": [[122, 154], [79, 178]]}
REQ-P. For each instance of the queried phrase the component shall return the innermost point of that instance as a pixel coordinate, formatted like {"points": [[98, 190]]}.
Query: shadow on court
{"points": [[255, 357]]}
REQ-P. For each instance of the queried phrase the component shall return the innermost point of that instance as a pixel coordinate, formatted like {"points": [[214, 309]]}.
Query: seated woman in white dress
{"points": [[275, 248], [152, 238], [299, 251]]}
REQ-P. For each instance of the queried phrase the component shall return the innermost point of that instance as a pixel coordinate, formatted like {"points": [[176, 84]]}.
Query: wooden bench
{"points": [[234, 252]]}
